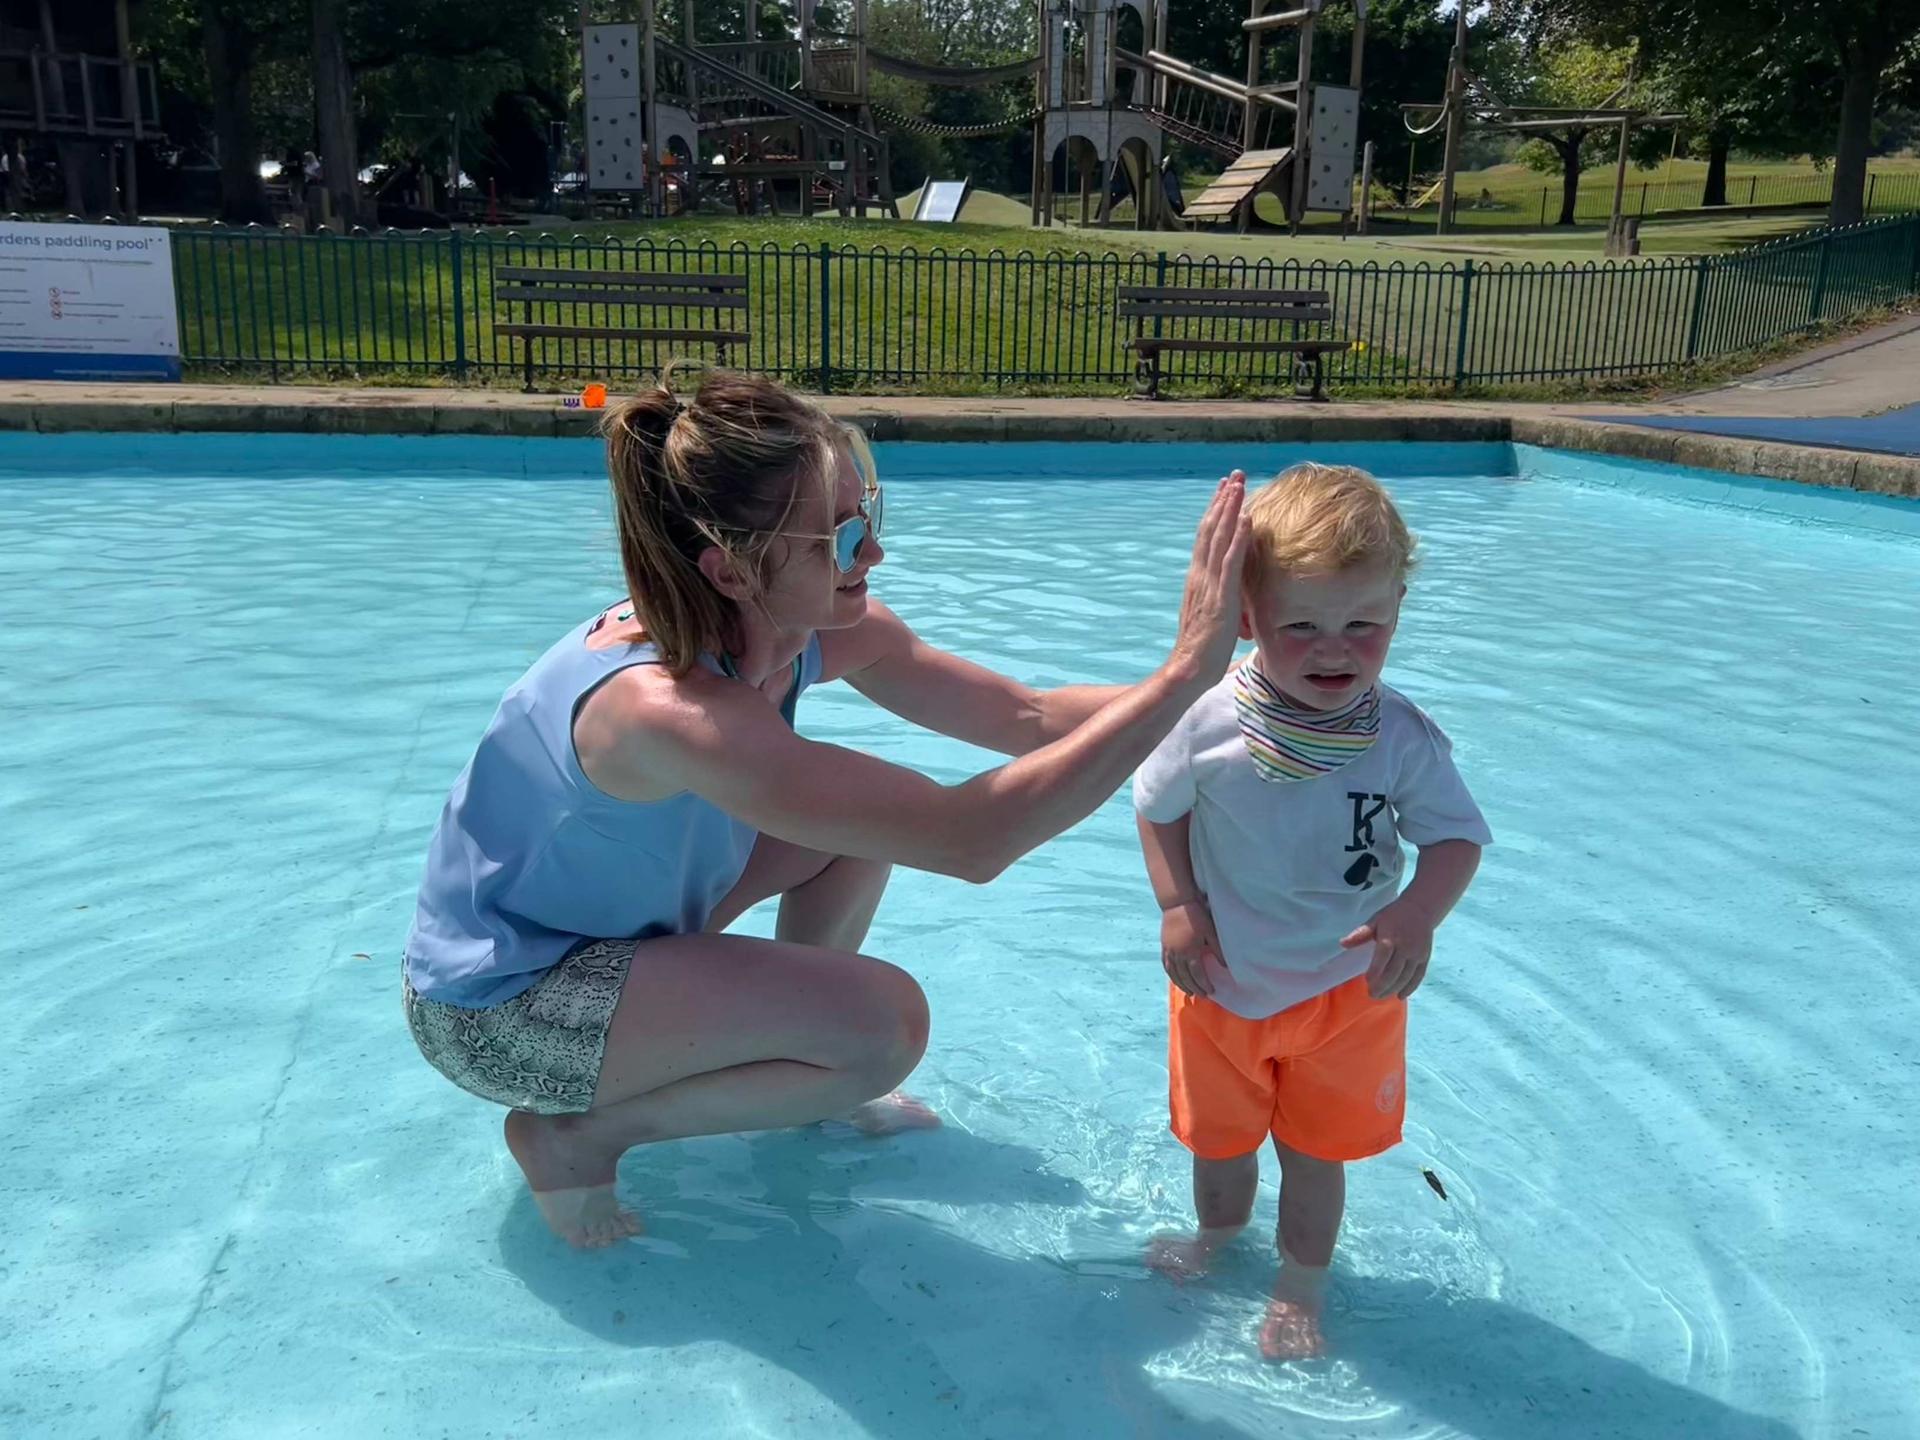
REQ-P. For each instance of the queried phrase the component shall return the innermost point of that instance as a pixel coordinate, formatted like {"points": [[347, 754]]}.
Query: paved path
{"points": [[1862, 393]]}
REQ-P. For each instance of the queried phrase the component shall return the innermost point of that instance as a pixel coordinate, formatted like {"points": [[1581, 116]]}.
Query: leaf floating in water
{"points": [[1434, 1180]]}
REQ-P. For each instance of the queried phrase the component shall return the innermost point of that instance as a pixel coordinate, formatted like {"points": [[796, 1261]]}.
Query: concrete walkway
{"points": [[1862, 393]]}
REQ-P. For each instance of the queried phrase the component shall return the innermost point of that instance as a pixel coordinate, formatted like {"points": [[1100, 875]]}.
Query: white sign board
{"points": [[940, 200], [87, 302], [1334, 139]]}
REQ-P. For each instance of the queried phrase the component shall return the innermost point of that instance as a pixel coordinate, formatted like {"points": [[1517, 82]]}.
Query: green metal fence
{"points": [[836, 318]]}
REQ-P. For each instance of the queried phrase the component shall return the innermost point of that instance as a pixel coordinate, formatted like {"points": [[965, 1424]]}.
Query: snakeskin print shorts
{"points": [[541, 1050]]}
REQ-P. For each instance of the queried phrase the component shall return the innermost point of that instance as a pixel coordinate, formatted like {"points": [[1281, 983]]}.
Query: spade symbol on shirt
{"points": [[1360, 873]]}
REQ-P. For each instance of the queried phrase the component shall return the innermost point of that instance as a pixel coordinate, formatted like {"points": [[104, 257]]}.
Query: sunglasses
{"points": [[850, 536]]}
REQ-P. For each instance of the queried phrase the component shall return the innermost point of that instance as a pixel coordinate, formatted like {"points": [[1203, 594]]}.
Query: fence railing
{"points": [[1889, 192], [834, 318]]}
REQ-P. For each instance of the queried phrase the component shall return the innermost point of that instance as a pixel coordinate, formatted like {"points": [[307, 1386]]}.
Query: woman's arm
{"points": [[729, 747], [886, 661]]}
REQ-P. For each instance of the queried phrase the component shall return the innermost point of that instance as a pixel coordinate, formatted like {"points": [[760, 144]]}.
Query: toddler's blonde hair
{"points": [[1312, 518]]}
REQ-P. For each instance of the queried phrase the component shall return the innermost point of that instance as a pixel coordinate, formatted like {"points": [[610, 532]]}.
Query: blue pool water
{"points": [[1664, 1066]]}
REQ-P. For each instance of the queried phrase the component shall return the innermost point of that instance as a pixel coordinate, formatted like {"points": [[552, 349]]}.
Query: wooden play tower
{"points": [[1112, 107], [781, 124], [789, 124]]}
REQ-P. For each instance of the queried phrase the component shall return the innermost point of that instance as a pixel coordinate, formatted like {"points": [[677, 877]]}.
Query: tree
{"points": [[1868, 38], [1572, 75], [1787, 57]]}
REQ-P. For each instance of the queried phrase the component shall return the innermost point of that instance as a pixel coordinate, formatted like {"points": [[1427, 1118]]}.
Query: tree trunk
{"points": [[333, 107], [1569, 174], [1863, 66], [1719, 143], [229, 51]]}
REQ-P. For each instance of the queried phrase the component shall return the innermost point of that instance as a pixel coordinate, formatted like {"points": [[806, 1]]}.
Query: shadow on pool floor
{"points": [[918, 1332]]}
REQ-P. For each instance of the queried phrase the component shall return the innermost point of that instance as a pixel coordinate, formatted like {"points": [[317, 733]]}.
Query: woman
{"points": [[642, 785]]}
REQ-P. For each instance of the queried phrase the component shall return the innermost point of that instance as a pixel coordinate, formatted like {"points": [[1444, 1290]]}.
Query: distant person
{"points": [[1272, 818]]}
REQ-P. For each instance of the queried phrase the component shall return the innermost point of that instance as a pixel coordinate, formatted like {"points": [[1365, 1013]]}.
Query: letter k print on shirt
{"points": [[1366, 807]]}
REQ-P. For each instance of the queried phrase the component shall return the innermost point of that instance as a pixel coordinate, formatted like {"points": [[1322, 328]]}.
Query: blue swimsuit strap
{"points": [[787, 706]]}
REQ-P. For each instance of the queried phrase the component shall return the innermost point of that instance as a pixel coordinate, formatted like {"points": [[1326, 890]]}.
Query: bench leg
{"points": [[1146, 371], [1309, 377]]}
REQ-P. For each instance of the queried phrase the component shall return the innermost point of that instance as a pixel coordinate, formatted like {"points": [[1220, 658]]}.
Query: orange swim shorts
{"points": [[1326, 1077]]}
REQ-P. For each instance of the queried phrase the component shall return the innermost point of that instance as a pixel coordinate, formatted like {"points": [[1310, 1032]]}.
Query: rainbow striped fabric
{"points": [[1288, 743]]}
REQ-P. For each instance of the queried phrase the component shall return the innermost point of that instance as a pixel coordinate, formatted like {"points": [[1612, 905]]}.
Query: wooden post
{"points": [[1620, 178], [1247, 107], [1157, 82], [1356, 66], [652, 151], [1366, 189], [1302, 127], [1456, 119]]}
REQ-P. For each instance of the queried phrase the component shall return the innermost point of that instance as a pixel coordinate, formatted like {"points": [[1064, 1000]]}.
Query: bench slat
{"points": [[540, 295], [1304, 314], [1146, 344], [1187, 292], [605, 332], [649, 279]]}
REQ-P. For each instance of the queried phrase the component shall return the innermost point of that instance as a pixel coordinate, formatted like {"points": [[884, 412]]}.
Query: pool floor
{"points": [[1663, 1064]]}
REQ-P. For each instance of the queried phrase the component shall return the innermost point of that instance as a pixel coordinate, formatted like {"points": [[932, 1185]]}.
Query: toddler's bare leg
{"points": [[1313, 1199], [1223, 1193]]}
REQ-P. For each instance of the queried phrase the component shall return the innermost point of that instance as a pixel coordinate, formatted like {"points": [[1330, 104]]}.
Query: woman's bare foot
{"points": [[1291, 1329], [891, 1114], [572, 1185]]}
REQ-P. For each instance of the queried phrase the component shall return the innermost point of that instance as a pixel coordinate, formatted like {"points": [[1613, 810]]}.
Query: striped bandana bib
{"points": [[1288, 743]]}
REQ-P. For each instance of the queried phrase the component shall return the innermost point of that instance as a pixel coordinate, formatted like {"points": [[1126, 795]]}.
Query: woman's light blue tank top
{"points": [[531, 858]]}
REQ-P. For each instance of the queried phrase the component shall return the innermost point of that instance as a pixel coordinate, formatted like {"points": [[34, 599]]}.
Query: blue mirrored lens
{"points": [[848, 537]]}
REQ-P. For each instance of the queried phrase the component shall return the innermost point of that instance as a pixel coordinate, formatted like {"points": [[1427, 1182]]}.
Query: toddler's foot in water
{"points": [[573, 1188], [891, 1114], [1291, 1329], [1184, 1257]]}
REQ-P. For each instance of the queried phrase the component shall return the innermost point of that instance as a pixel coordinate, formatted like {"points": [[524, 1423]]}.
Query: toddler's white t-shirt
{"points": [[1289, 868]]}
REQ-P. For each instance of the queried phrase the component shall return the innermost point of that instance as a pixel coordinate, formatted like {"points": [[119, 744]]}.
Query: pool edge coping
{"points": [[1099, 421]]}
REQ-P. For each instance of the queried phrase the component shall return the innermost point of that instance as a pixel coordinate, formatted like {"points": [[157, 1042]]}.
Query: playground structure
{"points": [[1470, 104], [1113, 107], [793, 121]]}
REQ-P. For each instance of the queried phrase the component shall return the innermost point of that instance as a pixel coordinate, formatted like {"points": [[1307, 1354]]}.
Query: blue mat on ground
{"points": [[1895, 433]]}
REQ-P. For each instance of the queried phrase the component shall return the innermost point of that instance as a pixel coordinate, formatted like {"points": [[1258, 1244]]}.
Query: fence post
{"points": [[1752, 180], [1913, 231], [459, 312], [826, 318], [1543, 206], [1460, 346], [1702, 271], [1818, 300]]}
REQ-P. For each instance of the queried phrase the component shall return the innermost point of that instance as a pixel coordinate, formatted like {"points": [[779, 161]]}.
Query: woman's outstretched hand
{"points": [[1210, 610]]}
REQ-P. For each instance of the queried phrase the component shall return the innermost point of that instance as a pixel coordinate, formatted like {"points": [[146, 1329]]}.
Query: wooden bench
{"points": [[724, 297], [1145, 303]]}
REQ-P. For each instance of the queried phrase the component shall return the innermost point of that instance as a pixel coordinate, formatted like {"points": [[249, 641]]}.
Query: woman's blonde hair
{"points": [[1315, 518], [727, 468]]}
